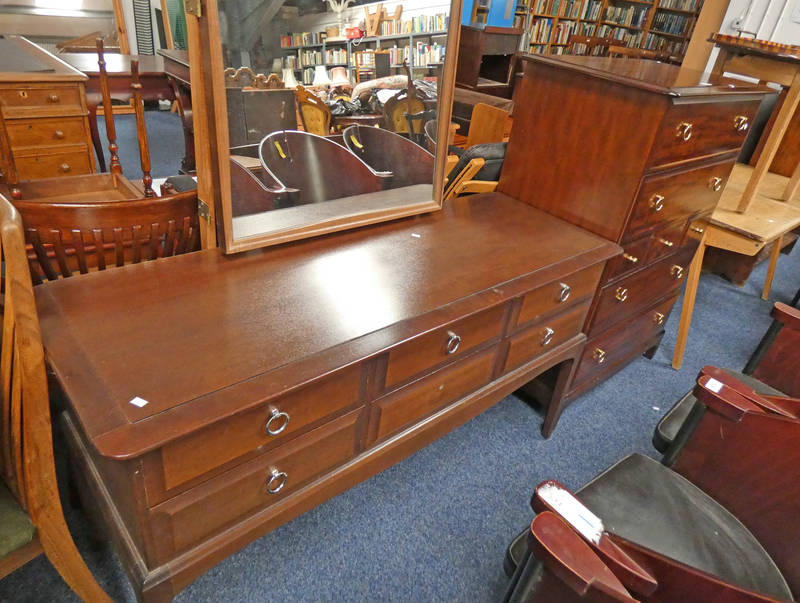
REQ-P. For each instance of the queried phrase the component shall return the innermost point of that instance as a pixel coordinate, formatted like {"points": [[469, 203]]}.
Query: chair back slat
{"points": [[41, 255], [98, 245], [119, 248], [80, 251], [61, 254]]}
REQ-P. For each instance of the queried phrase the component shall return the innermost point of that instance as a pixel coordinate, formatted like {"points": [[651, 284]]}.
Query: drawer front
{"points": [[604, 353], [666, 241], [429, 394], [671, 197], [263, 427], [46, 131], [626, 298], [559, 294], [691, 130], [200, 512], [19, 101], [446, 343], [634, 255], [53, 162], [543, 337]]}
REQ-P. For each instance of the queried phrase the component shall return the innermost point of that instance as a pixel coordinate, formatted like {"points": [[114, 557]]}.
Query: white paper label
{"points": [[137, 401], [714, 385], [589, 525]]}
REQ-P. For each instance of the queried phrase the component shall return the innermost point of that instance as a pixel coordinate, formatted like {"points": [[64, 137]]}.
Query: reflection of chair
{"points": [[716, 522], [315, 114], [476, 171], [406, 103], [487, 124], [67, 237], [313, 169], [386, 151], [430, 134], [30, 509], [590, 45]]}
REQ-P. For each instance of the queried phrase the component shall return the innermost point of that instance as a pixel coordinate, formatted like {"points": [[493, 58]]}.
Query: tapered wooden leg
{"points": [[793, 184], [557, 402], [688, 303], [773, 263]]}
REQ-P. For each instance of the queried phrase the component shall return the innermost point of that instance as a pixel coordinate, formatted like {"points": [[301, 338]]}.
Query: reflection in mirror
{"points": [[328, 105]]}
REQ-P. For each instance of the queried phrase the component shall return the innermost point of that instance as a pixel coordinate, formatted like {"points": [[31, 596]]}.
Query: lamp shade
{"points": [[321, 78], [339, 77], [288, 78], [277, 65]]}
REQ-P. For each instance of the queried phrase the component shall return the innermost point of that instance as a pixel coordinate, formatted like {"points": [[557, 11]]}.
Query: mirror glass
{"points": [[333, 113]]}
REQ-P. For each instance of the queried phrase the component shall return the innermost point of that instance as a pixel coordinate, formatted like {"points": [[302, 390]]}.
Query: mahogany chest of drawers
{"points": [[637, 152], [45, 130], [213, 398]]}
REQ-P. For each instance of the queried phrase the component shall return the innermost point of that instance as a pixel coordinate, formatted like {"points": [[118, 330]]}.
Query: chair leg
{"points": [[773, 263], [688, 303]]}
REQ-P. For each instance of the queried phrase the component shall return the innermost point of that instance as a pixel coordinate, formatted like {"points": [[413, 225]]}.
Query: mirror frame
{"points": [[210, 121]]}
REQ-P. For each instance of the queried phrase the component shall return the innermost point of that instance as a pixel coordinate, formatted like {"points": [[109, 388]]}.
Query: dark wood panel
{"points": [[550, 332], [49, 162], [666, 240], [558, 295], [634, 256], [45, 131]]}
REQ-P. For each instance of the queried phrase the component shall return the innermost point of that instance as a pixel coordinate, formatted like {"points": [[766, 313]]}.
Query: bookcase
{"points": [[661, 25], [420, 40]]}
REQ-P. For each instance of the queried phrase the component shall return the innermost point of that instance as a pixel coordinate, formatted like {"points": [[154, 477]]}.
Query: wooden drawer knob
{"points": [[277, 422], [58, 134], [715, 184], [656, 203], [676, 271], [621, 294], [65, 167], [599, 356], [658, 318], [547, 337], [631, 258], [741, 123], [684, 131], [453, 343], [276, 482], [53, 98], [564, 292], [666, 242]]}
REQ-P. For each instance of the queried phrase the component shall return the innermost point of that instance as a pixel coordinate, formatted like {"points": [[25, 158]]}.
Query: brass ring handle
{"points": [[564, 292], [631, 258], [53, 98], [715, 184], [621, 294], [277, 417], [666, 242], [599, 356], [276, 482], [697, 229], [676, 271], [453, 343], [658, 318], [65, 167], [548, 336], [657, 202], [684, 131], [59, 134], [741, 123]]}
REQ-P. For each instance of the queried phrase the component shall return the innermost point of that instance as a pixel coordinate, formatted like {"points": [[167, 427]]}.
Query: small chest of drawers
{"points": [[45, 131], [637, 152]]}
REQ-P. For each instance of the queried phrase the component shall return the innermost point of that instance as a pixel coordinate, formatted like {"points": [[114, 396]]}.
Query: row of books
{"points": [[303, 58], [307, 76], [546, 7], [625, 36], [679, 4], [425, 54], [540, 30], [423, 24], [562, 8], [301, 39], [670, 23], [634, 16], [592, 10], [334, 57], [398, 54], [654, 42], [572, 9], [564, 30]]}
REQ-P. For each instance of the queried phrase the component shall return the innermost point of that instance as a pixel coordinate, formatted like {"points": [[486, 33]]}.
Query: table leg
{"points": [[557, 404], [184, 100], [773, 262], [785, 115], [96, 142], [688, 303]]}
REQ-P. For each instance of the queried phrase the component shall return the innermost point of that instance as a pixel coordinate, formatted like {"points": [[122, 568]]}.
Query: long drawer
{"points": [[538, 339], [50, 162], [696, 129], [46, 131], [200, 512], [622, 300], [35, 100], [558, 295]]}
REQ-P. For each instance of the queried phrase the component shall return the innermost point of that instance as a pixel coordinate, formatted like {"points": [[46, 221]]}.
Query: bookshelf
{"points": [[660, 25]]}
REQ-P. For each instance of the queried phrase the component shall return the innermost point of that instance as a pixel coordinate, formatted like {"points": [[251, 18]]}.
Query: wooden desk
{"points": [[176, 66], [277, 378]]}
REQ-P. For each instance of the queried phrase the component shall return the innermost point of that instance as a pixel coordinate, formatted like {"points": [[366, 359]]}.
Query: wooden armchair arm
{"points": [[789, 316], [475, 186], [472, 168], [724, 393]]}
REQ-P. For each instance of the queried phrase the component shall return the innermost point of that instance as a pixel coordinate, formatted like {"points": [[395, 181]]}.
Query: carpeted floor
{"points": [[434, 527]]}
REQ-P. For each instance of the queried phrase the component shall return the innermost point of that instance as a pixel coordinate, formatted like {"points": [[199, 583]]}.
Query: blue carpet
{"points": [[435, 527]]}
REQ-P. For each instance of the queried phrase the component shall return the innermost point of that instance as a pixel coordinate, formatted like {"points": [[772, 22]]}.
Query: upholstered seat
{"points": [[16, 527], [493, 155]]}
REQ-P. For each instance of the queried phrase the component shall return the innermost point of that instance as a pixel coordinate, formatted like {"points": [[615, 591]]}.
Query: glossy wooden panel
{"points": [[50, 162], [218, 444], [677, 195], [45, 131], [715, 127], [666, 240], [444, 344], [634, 256], [555, 296], [32, 99], [422, 397]]}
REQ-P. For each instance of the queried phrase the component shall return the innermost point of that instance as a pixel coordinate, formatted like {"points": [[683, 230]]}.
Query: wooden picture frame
{"points": [[212, 140]]}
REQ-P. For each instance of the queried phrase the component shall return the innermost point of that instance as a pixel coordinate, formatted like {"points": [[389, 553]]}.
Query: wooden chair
{"points": [[314, 113], [633, 53], [488, 124], [64, 238], [384, 151], [717, 521], [30, 508], [477, 170], [587, 45], [406, 103]]}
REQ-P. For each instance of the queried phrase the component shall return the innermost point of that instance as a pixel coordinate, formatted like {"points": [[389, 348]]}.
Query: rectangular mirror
{"points": [[325, 115]]}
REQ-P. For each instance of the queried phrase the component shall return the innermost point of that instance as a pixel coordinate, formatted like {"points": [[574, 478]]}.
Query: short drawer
{"points": [[543, 337], [40, 99], [262, 427], [46, 131], [198, 513], [691, 130], [666, 241], [674, 196], [416, 401], [446, 343], [50, 162], [558, 294], [606, 352], [697, 226], [634, 255], [624, 299]]}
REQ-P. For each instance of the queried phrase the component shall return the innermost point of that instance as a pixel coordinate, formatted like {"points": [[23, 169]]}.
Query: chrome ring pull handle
{"points": [[276, 482], [657, 203], [658, 318], [453, 343], [548, 336], [741, 123], [599, 355], [676, 271], [621, 294], [277, 422], [684, 131], [564, 292], [715, 184]]}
